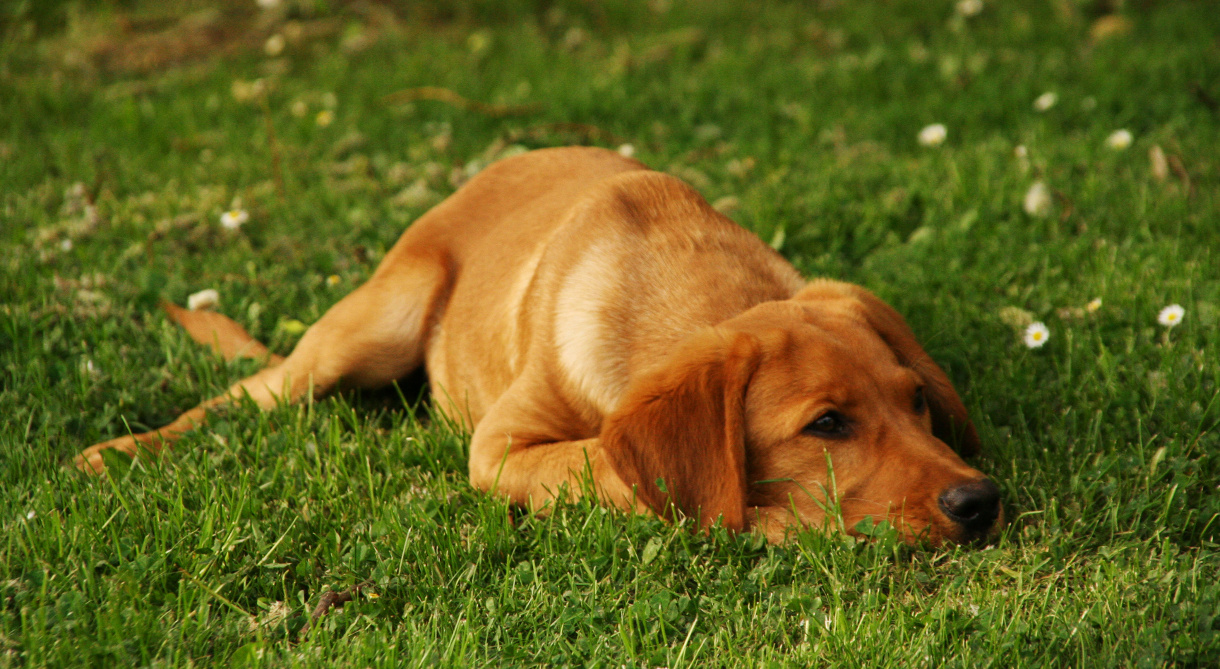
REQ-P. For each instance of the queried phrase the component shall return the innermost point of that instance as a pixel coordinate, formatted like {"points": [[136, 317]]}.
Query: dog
{"points": [[591, 320]]}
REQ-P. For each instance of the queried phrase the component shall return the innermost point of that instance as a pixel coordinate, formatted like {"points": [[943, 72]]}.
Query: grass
{"points": [[127, 128]]}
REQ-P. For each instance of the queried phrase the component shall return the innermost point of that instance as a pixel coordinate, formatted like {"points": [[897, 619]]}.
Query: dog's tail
{"points": [[221, 333]]}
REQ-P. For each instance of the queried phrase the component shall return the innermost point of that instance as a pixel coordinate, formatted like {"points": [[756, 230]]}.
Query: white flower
{"points": [[234, 218], [268, 4], [204, 299], [933, 135], [274, 45], [1093, 305], [1171, 315], [1119, 139], [969, 7], [30, 515], [324, 118], [626, 150], [1036, 335], [1037, 200], [1045, 101], [66, 245]]}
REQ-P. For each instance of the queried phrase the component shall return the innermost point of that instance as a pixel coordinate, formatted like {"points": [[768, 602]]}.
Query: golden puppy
{"points": [[586, 316]]}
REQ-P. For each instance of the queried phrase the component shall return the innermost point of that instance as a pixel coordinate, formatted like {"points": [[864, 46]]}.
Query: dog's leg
{"points": [[520, 451], [370, 338]]}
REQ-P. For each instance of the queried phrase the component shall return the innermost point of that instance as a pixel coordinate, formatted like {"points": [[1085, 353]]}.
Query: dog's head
{"points": [[793, 409]]}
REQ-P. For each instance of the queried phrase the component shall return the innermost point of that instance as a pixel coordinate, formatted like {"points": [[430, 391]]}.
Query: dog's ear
{"points": [[679, 434], [950, 421]]}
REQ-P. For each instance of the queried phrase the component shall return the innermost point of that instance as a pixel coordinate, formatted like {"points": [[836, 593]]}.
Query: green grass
{"points": [[1103, 441]]}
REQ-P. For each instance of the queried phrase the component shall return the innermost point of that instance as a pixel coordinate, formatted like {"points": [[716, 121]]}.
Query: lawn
{"points": [[127, 128]]}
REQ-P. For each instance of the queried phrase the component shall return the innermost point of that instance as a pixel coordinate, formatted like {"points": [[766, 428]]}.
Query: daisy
{"points": [[203, 300], [1036, 335], [1093, 305], [626, 150], [1119, 140], [274, 45], [1171, 315], [1037, 200], [234, 218], [969, 7], [1045, 101], [933, 135]]}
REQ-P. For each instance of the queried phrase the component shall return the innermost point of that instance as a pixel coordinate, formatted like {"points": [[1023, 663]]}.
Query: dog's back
{"points": [[634, 260]]}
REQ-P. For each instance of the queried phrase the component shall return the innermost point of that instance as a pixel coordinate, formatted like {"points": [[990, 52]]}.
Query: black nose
{"points": [[972, 505]]}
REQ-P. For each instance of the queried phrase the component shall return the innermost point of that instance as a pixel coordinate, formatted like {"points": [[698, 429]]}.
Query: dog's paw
{"points": [[91, 460]]}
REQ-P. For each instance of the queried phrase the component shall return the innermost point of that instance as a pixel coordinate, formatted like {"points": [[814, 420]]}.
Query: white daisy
{"points": [[1093, 305], [274, 45], [1037, 200], [234, 218], [969, 7], [203, 300], [626, 150], [933, 135], [1036, 335], [1171, 315], [1045, 101], [1119, 139]]}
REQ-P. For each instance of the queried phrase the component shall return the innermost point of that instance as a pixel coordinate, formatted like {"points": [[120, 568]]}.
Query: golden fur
{"points": [[581, 313]]}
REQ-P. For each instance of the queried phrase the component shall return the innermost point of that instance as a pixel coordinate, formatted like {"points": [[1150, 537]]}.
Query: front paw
{"points": [[90, 460]]}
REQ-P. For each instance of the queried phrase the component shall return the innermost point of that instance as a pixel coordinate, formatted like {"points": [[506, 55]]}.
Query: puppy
{"points": [[588, 317]]}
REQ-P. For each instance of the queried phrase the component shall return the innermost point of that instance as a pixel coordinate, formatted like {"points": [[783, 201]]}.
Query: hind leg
{"points": [[371, 337]]}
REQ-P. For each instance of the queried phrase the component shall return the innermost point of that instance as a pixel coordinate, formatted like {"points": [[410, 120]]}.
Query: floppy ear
{"points": [[950, 422], [683, 423]]}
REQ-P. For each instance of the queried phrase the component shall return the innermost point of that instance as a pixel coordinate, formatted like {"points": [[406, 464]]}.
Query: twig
{"points": [[1066, 203], [1175, 164], [277, 171], [447, 96], [330, 599]]}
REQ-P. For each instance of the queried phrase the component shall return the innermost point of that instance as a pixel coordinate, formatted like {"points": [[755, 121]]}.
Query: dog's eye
{"points": [[829, 424], [921, 402]]}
